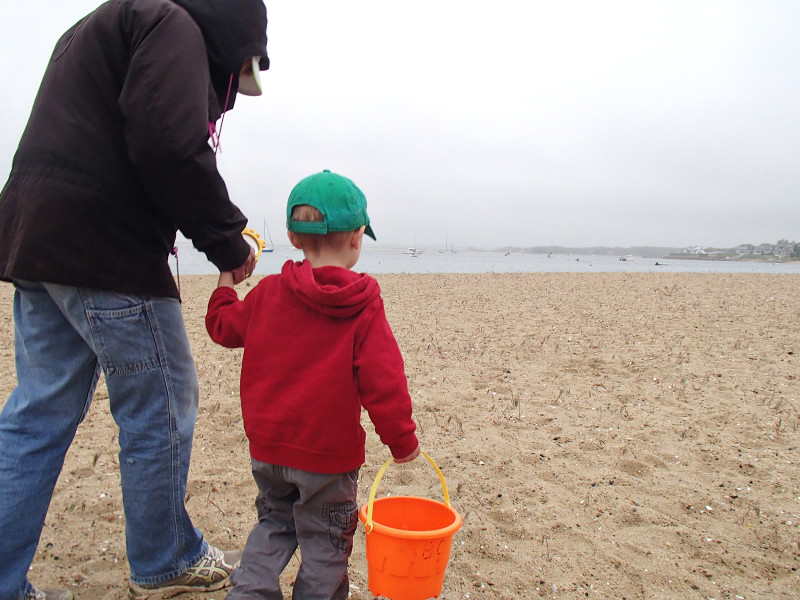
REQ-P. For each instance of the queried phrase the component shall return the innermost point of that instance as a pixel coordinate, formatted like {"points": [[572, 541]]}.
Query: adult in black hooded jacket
{"points": [[115, 155], [115, 159]]}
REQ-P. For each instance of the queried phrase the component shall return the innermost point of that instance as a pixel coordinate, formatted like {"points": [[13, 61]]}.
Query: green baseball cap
{"points": [[342, 204]]}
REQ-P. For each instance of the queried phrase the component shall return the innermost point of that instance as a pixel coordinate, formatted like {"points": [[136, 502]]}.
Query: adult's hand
{"points": [[246, 269]]}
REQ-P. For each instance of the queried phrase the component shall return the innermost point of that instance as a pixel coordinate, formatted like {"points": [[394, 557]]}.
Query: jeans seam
{"points": [[175, 441], [98, 366]]}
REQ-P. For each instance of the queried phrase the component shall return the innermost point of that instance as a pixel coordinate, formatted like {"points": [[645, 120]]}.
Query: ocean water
{"points": [[395, 260]]}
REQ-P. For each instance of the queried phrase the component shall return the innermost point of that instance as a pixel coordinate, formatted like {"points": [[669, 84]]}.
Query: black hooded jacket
{"points": [[115, 156]]}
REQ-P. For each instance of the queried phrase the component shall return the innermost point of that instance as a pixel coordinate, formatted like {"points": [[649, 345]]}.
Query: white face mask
{"points": [[250, 77]]}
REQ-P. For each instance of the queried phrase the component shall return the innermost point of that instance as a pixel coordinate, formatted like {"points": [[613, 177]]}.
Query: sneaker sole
{"points": [[139, 593]]}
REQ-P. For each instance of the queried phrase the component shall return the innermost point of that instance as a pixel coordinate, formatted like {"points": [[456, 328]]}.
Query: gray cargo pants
{"points": [[316, 511]]}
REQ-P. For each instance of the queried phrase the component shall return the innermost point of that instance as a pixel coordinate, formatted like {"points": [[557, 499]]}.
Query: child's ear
{"points": [[358, 236], [295, 242]]}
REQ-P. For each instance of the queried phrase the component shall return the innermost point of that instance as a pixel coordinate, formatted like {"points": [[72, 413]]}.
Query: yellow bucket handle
{"points": [[369, 524]]}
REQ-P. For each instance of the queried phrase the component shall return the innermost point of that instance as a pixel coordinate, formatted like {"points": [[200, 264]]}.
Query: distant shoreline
{"points": [[760, 258], [649, 252]]}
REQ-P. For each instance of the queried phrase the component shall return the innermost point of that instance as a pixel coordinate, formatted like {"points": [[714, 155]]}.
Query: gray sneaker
{"points": [[211, 573], [35, 594]]}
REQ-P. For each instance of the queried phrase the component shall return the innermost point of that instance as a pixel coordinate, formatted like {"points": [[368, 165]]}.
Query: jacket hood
{"points": [[234, 30], [332, 291]]}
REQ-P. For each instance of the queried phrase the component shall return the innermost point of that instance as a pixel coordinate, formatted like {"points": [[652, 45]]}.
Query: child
{"points": [[317, 347]]}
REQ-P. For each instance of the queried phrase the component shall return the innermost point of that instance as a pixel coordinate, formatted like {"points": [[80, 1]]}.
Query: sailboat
{"points": [[450, 250], [271, 247]]}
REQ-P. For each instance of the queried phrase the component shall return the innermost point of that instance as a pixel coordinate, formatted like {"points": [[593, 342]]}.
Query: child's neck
{"points": [[328, 258]]}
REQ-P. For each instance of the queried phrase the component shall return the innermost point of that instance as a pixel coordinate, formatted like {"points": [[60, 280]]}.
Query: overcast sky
{"points": [[505, 123]]}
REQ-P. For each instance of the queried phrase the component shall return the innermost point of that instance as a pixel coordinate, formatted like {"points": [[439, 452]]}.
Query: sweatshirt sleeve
{"points": [[383, 386], [227, 318], [165, 103]]}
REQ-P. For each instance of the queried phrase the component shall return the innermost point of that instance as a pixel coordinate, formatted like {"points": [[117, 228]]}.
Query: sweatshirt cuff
{"points": [[405, 448], [234, 257]]}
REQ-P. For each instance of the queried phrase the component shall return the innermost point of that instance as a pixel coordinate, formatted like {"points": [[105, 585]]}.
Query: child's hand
{"points": [[246, 269], [410, 457]]}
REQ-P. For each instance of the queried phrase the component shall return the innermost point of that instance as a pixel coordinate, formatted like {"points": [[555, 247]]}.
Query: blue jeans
{"points": [[64, 337]]}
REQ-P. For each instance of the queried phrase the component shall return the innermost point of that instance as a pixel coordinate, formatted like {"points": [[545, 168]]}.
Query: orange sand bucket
{"points": [[408, 542]]}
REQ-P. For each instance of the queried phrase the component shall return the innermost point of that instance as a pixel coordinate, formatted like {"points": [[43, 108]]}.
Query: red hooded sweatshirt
{"points": [[317, 348]]}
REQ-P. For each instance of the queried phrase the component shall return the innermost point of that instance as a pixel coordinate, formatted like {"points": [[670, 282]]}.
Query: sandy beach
{"points": [[603, 436]]}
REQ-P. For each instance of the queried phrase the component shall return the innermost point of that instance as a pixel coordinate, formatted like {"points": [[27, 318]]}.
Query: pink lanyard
{"points": [[213, 134]]}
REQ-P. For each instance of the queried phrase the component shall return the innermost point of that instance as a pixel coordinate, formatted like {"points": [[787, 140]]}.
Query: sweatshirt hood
{"points": [[234, 31], [332, 291]]}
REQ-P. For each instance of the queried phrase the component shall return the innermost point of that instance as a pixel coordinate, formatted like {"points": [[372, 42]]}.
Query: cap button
{"points": [[326, 170]]}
